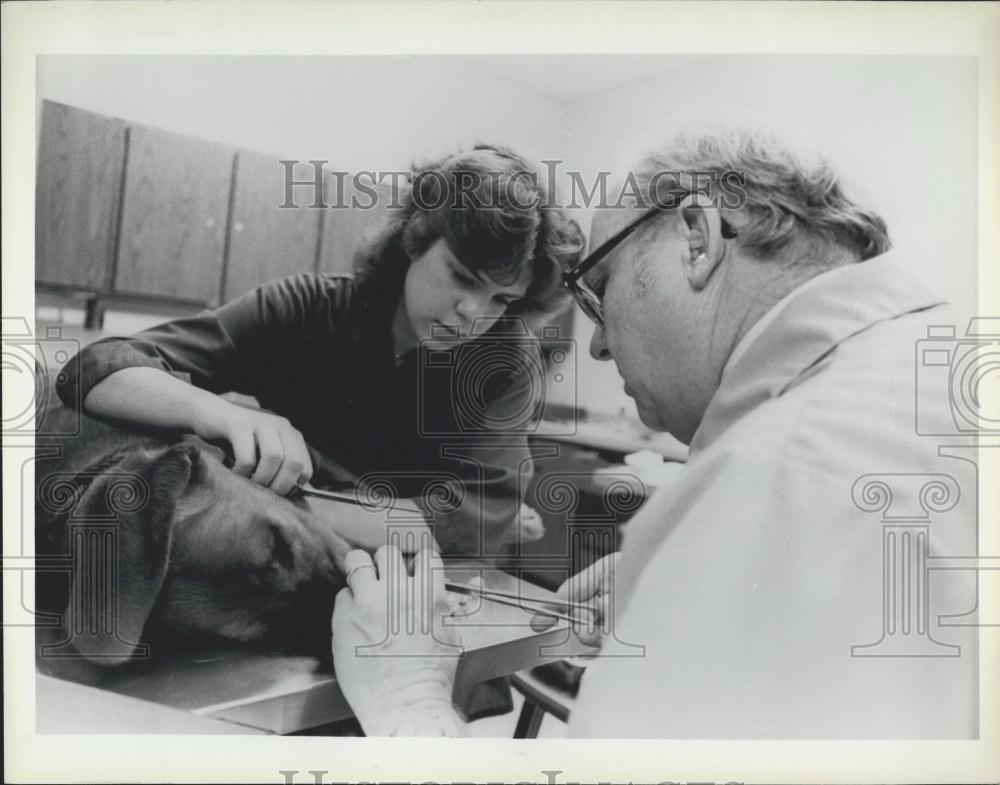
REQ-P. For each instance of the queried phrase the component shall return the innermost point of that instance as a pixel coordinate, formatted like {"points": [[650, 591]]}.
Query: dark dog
{"points": [[142, 538]]}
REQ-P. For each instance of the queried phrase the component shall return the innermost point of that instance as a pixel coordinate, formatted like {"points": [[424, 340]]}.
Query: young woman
{"points": [[407, 375]]}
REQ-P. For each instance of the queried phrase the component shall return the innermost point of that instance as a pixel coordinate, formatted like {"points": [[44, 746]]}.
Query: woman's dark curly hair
{"points": [[491, 208]]}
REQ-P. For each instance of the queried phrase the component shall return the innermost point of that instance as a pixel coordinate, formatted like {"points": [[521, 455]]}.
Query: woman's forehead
{"points": [[508, 283], [513, 278]]}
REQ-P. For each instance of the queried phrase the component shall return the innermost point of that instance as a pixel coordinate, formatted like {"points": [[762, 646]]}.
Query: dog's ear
{"points": [[122, 530]]}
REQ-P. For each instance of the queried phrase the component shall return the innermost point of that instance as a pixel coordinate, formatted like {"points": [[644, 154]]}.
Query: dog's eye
{"points": [[281, 549]]}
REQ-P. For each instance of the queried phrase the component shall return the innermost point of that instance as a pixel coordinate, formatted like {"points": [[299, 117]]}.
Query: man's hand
{"points": [[265, 447], [394, 659], [592, 586]]}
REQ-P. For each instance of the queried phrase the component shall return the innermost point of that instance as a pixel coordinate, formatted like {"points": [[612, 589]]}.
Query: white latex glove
{"points": [[394, 659]]}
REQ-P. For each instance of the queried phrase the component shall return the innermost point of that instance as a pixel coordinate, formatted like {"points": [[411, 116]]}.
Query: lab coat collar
{"points": [[803, 328]]}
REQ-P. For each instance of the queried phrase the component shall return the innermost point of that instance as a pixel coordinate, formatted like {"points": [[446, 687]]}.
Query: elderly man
{"points": [[778, 585]]}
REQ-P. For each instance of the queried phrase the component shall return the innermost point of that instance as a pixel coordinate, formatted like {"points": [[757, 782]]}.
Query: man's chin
{"points": [[649, 417]]}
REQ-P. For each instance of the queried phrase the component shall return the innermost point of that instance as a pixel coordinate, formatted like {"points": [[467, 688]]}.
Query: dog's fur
{"points": [[198, 551]]}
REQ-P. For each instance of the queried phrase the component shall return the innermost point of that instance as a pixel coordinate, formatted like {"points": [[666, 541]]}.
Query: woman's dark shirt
{"points": [[445, 427]]}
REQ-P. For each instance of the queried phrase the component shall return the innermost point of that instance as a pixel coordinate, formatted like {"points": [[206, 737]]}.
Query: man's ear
{"points": [[701, 225]]}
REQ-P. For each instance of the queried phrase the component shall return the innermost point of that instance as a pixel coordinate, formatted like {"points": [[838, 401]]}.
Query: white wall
{"points": [[356, 112]]}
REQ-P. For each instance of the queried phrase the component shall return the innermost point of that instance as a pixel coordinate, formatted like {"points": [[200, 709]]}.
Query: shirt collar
{"points": [[751, 335], [804, 327]]}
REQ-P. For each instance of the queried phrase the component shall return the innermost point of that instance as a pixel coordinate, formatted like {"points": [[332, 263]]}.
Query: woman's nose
{"points": [[598, 347], [469, 307]]}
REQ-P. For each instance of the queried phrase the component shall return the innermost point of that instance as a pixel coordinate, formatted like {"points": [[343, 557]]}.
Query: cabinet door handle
{"points": [[210, 222], [238, 226]]}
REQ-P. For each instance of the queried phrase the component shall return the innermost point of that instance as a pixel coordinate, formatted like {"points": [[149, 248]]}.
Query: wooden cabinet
{"points": [[267, 241], [175, 206], [79, 174], [145, 219]]}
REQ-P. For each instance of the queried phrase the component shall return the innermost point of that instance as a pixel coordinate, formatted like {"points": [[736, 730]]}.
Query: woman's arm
{"points": [[143, 380], [264, 446]]}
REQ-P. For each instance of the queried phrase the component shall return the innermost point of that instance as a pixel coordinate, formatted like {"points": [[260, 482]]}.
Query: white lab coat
{"points": [[756, 579]]}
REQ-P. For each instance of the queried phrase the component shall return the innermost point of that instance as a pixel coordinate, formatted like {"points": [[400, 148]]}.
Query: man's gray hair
{"points": [[786, 195]]}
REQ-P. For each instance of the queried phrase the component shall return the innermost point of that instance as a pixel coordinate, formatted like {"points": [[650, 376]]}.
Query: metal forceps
{"points": [[350, 497], [537, 605]]}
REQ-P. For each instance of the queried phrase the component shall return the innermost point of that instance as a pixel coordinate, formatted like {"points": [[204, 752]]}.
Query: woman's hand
{"points": [[394, 659], [593, 586], [265, 446], [368, 528], [246, 401], [530, 526]]}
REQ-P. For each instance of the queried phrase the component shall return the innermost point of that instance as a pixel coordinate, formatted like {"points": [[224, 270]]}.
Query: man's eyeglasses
{"points": [[589, 300]]}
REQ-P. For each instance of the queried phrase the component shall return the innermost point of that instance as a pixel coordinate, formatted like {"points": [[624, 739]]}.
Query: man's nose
{"points": [[598, 347]]}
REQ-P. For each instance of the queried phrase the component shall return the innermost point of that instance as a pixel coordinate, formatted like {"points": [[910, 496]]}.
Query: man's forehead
{"points": [[608, 221]]}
